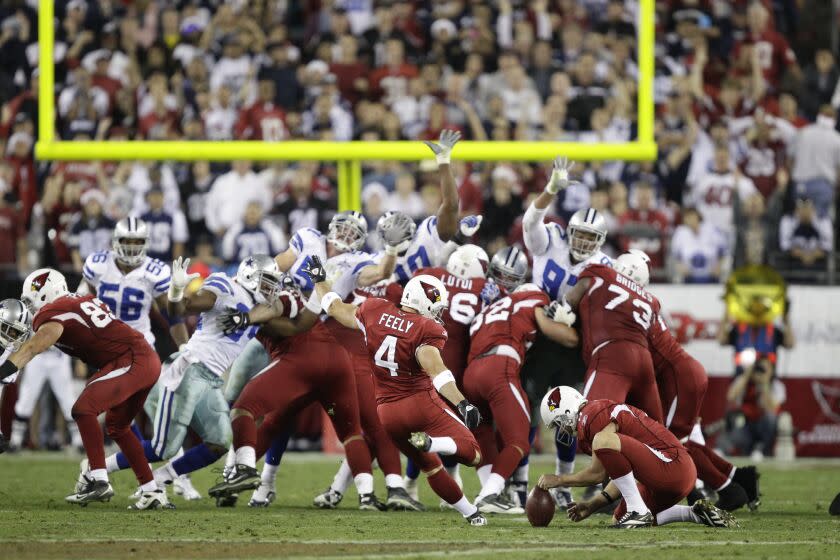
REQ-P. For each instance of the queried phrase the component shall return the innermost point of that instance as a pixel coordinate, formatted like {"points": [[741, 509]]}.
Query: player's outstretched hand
{"points": [[559, 175], [397, 231], [469, 225], [580, 511], [490, 292], [315, 269], [180, 279], [443, 147], [560, 312], [470, 414], [233, 320], [549, 481]]}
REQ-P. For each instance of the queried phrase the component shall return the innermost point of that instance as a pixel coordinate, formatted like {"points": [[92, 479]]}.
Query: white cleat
{"points": [[184, 487], [496, 503], [82, 481], [412, 487], [155, 499], [262, 497]]}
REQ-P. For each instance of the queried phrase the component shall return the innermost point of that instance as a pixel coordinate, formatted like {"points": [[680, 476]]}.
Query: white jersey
{"points": [[378, 290], [305, 243], [129, 296], [714, 197], [343, 271], [426, 249], [700, 252], [208, 344], [553, 270]]}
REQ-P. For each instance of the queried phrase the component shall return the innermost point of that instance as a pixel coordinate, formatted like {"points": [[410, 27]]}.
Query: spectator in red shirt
{"points": [[774, 54], [763, 156], [390, 82], [22, 181], [350, 72], [263, 120], [644, 226]]}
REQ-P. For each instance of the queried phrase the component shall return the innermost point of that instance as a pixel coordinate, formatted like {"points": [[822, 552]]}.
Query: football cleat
{"points": [[83, 480], [518, 493], [494, 503], [136, 494], [240, 479], [694, 496], [183, 487], [834, 508], [369, 502], [748, 477], [732, 497], [227, 501], [4, 444], [156, 499], [412, 487], [328, 500], [712, 516], [262, 497], [93, 491], [562, 497], [477, 520], [421, 441], [400, 500], [634, 520]]}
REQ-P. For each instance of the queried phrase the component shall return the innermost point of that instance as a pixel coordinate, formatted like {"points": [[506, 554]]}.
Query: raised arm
{"points": [[447, 214], [177, 328], [533, 228], [177, 306]]}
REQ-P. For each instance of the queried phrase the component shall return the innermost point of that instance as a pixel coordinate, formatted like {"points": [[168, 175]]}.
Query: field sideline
{"points": [[36, 523]]}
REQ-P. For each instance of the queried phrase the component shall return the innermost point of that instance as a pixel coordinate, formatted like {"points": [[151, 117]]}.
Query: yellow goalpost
{"points": [[348, 155]]}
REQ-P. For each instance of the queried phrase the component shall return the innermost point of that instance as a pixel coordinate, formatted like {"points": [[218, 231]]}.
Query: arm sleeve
{"points": [[89, 269], [535, 231]]}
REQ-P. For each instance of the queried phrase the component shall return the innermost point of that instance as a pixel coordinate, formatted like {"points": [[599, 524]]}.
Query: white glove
{"points": [[561, 312], [180, 279], [396, 250], [469, 225], [559, 175], [443, 147]]}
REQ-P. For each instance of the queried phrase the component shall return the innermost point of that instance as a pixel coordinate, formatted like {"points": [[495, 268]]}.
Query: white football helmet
{"points": [[560, 408], [41, 287], [15, 323], [468, 261], [427, 295], [248, 273], [587, 231], [348, 231], [130, 241], [635, 265]]}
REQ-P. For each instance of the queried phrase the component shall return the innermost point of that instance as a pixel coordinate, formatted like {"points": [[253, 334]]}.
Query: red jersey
{"points": [[302, 342], [511, 321], [614, 308], [645, 230], [632, 422], [664, 348], [393, 338], [262, 121], [91, 332], [774, 54], [761, 162]]}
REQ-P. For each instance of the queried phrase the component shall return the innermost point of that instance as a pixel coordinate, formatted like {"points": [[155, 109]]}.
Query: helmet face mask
{"points": [[270, 283], [248, 273], [560, 409], [130, 241], [15, 323], [587, 231], [347, 231], [509, 268]]}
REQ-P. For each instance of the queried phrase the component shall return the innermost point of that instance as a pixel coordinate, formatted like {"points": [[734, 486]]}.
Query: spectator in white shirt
{"points": [[697, 250], [817, 160], [413, 108], [806, 237], [230, 195], [233, 69], [220, 119], [405, 197], [253, 235], [521, 100]]}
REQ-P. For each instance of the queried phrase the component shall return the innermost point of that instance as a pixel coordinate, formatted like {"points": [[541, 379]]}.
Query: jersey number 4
{"points": [[643, 312], [384, 356]]}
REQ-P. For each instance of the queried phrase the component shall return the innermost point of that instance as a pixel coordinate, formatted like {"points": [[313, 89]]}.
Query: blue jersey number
{"points": [[130, 307], [413, 263], [249, 333], [98, 257], [154, 267]]}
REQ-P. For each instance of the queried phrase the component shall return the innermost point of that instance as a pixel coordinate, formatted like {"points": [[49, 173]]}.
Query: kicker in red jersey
{"points": [[631, 421], [393, 337]]}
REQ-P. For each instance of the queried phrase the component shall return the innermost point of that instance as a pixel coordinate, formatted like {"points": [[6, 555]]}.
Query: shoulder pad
{"points": [[95, 265]]}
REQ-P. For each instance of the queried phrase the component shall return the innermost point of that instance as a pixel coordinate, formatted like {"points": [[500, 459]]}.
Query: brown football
{"points": [[539, 507]]}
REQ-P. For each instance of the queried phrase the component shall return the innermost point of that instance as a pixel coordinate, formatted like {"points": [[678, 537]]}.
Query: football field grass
{"points": [[36, 523]]}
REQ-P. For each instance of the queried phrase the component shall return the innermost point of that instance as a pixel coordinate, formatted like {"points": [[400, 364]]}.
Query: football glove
{"points": [[396, 231], [233, 320], [467, 228], [180, 279], [559, 175], [560, 312], [490, 292], [443, 147], [470, 414], [315, 269]]}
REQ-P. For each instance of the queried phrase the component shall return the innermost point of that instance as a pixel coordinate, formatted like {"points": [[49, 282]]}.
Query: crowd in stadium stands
{"points": [[746, 93]]}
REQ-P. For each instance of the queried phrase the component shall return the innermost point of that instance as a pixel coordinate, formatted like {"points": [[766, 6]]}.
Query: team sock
{"points": [[246, 455], [196, 458], [483, 473], [495, 485], [150, 486], [464, 507], [394, 481], [92, 439], [677, 514], [443, 445], [278, 448], [621, 472], [99, 474], [342, 478], [412, 471], [136, 429], [445, 487], [364, 483]]}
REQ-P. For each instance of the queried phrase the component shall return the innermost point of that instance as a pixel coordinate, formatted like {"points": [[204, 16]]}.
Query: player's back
{"points": [[614, 308], [128, 295], [509, 321], [664, 348], [393, 337], [631, 421], [91, 332]]}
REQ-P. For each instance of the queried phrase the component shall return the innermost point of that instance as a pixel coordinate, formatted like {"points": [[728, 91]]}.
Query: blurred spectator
{"points": [[263, 120], [805, 237], [405, 197], [755, 229], [818, 86], [168, 232], [816, 153], [301, 208], [13, 245], [91, 231], [773, 52], [764, 155], [230, 194], [254, 235], [502, 207], [697, 250], [645, 227]]}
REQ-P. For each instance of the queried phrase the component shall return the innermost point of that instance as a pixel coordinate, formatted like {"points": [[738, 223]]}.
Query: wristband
{"points": [[442, 379], [392, 250], [443, 157], [176, 293], [328, 300], [8, 368]]}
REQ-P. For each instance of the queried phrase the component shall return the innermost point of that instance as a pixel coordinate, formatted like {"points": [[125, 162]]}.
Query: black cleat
{"points": [[712, 516], [399, 500], [227, 501], [694, 496], [240, 479], [4, 444], [369, 502], [477, 520], [633, 520], [748, 477], [834, 508], [732, 497], [93, 491]]}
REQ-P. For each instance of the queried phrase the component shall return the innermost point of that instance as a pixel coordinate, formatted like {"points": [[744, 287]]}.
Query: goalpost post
{"points": [[348, 155]]}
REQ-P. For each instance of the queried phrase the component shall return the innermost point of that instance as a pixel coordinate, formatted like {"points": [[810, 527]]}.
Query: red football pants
{"points": [[492, 383], [622, 371], [119, 390], [381, 446], [682, 386]]}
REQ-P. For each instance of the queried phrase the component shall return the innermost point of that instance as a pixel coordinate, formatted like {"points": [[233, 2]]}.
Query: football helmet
{"points": [[347, 231], [634, 264], [41, 287], [394, 227], [468, 261], [15, 323], [427, 295], [130, 241], [587, 231], [509, 267], [248, 273], [559, 409], [270, 283]]}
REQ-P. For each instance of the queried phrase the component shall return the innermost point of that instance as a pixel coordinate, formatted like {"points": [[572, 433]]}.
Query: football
{"points": [[539, 507]]}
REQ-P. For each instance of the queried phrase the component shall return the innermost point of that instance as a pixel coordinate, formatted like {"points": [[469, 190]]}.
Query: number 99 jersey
{"points": [[129, 296], [553, 269]]}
